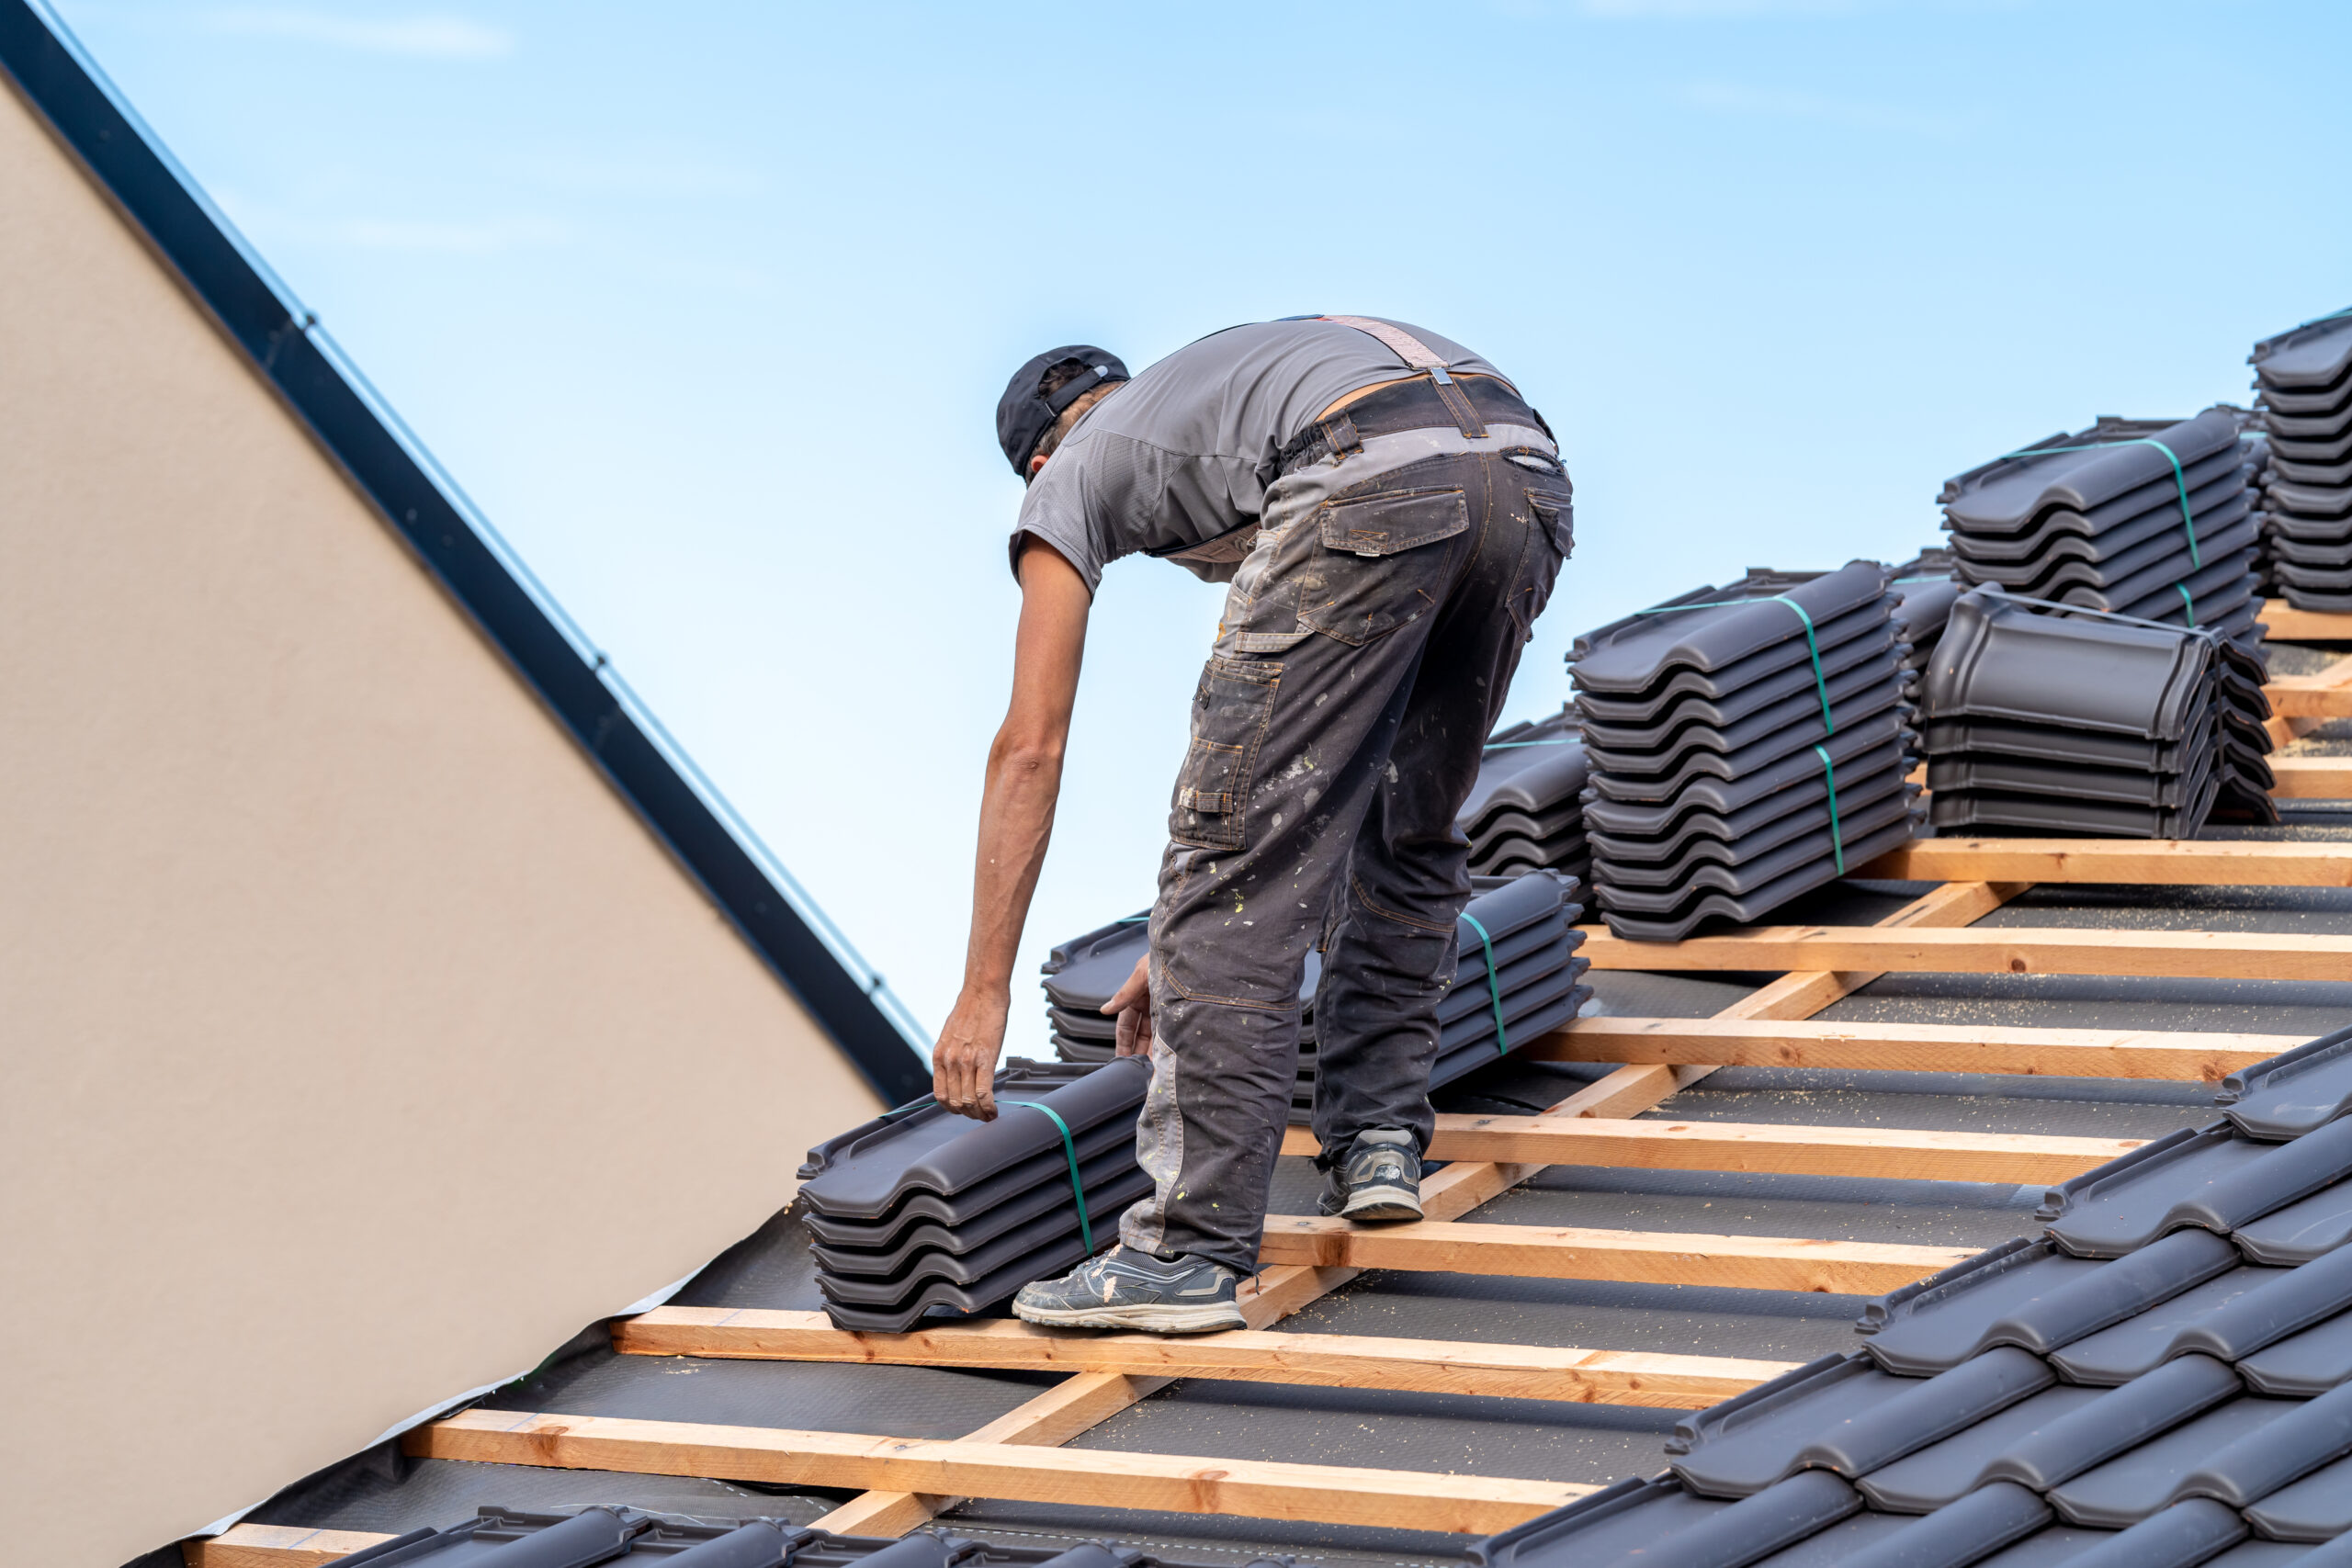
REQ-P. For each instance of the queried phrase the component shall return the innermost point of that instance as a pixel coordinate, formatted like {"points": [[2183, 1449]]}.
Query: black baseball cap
{"points": [[1025, 412]]}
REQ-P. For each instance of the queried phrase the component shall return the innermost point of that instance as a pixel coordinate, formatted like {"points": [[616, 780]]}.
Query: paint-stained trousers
{"points": [[1368, 642]]}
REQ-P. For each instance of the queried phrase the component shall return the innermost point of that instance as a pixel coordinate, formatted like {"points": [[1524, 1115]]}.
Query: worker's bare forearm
{"points": [[1024, 778], [1016, 825]]}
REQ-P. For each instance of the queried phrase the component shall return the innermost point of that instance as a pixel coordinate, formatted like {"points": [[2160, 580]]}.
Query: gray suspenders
{"points": [[1416, 356]]}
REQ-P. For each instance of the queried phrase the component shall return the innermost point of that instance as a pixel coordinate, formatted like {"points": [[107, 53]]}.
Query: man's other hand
{"points": [[963, 1065], [1132, 1002]]}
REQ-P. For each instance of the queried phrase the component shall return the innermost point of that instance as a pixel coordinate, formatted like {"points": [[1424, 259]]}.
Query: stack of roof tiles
{"points": [[1535, 982], [1715, 728], [2304, 383], [2150, 518], [1925, 588], [1526, 812], [524, 1539], [2072, 722], [2163, 1377], [922, 1208]]}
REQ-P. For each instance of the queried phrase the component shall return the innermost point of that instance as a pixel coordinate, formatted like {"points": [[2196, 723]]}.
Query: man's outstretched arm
{"points": [[1024, 778]]}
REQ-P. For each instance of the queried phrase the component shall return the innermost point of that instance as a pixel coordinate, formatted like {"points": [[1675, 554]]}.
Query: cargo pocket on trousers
{"points": [[1556, 515], [1230, 713], [1376, 571]]}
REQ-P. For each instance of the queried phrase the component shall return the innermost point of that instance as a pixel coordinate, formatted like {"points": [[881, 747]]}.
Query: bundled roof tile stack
{"points": [[1925, 588], [2163, 1377], [2304, 382], [2072, 722], [922, 1208], [1526, 812], [1535, 981], [1715, 728], [609, 1534], [2141, 517]]}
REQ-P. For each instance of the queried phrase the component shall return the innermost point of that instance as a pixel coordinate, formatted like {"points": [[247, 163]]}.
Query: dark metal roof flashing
{"points": [[288, 352]]}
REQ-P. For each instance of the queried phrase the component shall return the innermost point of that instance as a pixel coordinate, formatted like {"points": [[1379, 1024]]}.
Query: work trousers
{"points": [[1368, 642]]}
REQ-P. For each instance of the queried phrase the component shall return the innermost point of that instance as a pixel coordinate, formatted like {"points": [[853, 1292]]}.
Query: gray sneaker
{"points": [[1121, 1288], [1379, 1179]]}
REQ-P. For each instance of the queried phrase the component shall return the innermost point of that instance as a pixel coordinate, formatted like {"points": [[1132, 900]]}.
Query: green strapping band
{"points": [[1820, 683], [2179, 480], [1510, 745], [1070, 1151], [2182, 589], [1837, 834], [1494, 985]]}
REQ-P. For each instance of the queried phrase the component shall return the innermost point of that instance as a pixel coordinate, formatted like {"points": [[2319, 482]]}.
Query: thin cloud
{"points": [[1723, 97], [424, 36]]}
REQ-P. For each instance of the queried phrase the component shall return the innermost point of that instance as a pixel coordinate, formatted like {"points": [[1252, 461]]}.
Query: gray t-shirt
{"points": [[1185, 452]]}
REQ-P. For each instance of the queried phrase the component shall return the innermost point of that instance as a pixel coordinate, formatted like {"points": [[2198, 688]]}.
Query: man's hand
{"points": [[963, 1065], [1132, 1002]]}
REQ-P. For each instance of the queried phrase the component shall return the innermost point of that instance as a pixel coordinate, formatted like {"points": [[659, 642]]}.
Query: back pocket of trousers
{"points": [[1229, 715], [1376, 570]]}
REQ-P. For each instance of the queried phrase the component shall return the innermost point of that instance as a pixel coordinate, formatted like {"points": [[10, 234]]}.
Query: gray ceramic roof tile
{"points": [[1854, 1423], [1867, 750], [1748, 909], [1867, 806], [1608, 1527], [2214, 1318], [1639, 657], [1999, 660], [2052, 1437], [2318, 1507], [2009, 492], [1738, 721], [2180, 1537], [2032, 1297], [2118, 1419], [1943, 1473], [2315, 356], [2148, 1478], [1795, 729], [1737, 693], [864, 1173], [2306, 1364], [1638, 886], [2214, 1184], [2297, 1092], [1750, 1529], [2259, 1460], [2211, 481], [1836, 1546], [1962, 1532], [2048, 1547], [2002, 738], [1807, 802], [2160, 544]]}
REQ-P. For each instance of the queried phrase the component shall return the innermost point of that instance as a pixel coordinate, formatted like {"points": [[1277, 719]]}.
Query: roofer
{"points": [[1390, 516]]}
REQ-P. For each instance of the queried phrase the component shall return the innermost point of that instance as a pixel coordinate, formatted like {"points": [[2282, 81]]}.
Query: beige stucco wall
{"points": [[357, 1045]]}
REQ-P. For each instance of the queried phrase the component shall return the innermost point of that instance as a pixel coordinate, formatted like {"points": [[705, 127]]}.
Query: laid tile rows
{"points": [[2162, 1377]]}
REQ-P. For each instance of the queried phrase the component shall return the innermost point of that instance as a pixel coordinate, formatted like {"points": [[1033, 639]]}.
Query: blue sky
{"points": [[709, 306]]}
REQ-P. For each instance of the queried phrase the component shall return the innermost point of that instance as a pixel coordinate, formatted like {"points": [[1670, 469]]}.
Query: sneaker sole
{"points": [[1156, 1317], [1373, 1203]]}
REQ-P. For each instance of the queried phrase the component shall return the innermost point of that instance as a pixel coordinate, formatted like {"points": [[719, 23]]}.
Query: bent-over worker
{"points": [[1390, 516]]}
